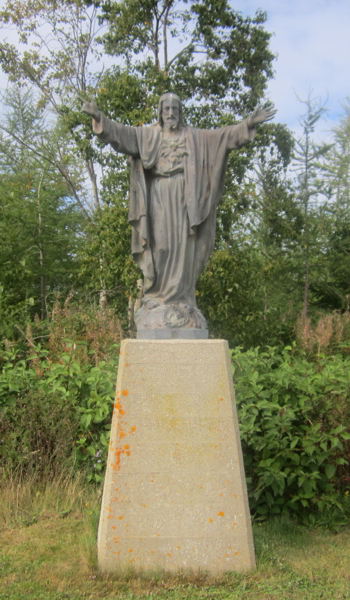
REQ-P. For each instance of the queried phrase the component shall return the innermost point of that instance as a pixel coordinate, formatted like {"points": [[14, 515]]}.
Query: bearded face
{"points": [[170, 113]]}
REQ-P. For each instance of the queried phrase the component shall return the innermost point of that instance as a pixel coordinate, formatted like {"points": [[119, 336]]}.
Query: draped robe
{"points": [[173, 198]]}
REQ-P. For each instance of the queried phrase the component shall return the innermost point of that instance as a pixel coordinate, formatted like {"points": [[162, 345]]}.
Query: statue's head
{"points": [[170, 111]]}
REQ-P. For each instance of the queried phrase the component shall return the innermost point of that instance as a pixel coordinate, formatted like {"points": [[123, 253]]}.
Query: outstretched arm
{"points": [[122, 139], [245, 131]]}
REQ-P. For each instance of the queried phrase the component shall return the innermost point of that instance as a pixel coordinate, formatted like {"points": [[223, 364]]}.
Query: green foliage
{"points": [[106, 253], [295, 421], [231, 296], [224, 58], [310, 192], [40, 226], [231, 275], [332, 289], [55, 413]]}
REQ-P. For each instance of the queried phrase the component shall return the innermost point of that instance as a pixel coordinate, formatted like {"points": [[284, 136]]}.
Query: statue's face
{"points": [[171, 113]]}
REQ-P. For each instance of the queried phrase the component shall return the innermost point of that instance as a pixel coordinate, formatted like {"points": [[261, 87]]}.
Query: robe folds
{"points": [[172, 212]]}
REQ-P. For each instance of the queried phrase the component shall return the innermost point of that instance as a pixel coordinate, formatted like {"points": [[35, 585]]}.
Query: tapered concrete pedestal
{"points": [[175, 494]]}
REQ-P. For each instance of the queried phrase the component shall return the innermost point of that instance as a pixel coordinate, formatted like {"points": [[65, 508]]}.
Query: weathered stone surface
{"points": [[177, 178], [175, 494], [172, 334]]}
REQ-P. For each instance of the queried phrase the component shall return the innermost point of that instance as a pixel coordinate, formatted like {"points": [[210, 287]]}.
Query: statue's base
{"points": [[155, 314], [172, 334], [175, 494]]}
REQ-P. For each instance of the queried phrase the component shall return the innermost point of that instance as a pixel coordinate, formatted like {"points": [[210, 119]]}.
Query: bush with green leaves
{"points": [[295, 426], [55, 414]]}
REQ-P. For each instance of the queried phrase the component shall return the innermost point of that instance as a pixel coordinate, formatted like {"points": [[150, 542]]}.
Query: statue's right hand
{"points": [[90, 108]]}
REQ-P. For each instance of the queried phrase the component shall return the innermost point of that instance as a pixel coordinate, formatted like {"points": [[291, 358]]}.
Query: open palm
{"points": [[260, 115]]}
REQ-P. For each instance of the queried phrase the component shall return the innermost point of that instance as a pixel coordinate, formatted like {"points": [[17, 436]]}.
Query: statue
{"points": [[177, 178]]}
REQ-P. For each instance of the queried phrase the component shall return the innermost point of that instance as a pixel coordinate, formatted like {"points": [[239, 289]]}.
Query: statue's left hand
{"points": [[260, 115]]}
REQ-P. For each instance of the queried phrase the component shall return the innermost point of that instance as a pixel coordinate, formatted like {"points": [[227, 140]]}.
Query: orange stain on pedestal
{"points": [[117, 459], [118, 453], [119, 407], [129, 549], [220, 514], [125, 392], [133, 429], [210, 520]]}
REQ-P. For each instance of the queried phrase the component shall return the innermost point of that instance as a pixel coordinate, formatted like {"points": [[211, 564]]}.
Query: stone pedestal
{"points": [[175, 494]]}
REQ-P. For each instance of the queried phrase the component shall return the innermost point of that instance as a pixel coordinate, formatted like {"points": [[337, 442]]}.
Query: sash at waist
{"points": [[156, 174]]}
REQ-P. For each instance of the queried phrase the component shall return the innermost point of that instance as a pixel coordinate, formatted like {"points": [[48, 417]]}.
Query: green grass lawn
{"points": [[50, 555]]}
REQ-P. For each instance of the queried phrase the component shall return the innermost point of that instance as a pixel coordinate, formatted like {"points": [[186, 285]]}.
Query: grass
{"points": [[48, 541]]}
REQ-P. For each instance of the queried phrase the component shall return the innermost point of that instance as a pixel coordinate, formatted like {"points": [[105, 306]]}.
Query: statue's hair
{"points": [[168, 96]]}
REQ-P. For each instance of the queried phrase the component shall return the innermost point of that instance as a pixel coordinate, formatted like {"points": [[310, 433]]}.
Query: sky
{"points": [[312, 41]]}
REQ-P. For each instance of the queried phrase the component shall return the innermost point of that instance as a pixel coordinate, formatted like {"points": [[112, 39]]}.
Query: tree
{"points": [[61, 41], [62, 44], [275, 224], [310, 187], [39, 220], [333, 290], [224, 57]]}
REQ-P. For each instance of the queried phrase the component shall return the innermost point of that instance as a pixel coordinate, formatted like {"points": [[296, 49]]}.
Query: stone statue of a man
{"points": [[177, 178]]}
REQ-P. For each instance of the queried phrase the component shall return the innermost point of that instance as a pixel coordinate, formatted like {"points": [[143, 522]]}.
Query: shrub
{"points": [[55, 413], [294, 421]]}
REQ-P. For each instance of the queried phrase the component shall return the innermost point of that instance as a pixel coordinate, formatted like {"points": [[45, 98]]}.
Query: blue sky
{"points": [[312, 41]]}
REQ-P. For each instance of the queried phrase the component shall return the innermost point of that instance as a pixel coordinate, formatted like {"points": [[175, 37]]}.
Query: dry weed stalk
{"points": [[304, 333], [328, 330], [71, 325]]}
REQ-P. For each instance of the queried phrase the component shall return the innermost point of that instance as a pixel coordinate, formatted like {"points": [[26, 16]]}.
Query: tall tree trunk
{"points": [[165, 36], [306, 290], [41, 257], [130, 315], [96, 200]]}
